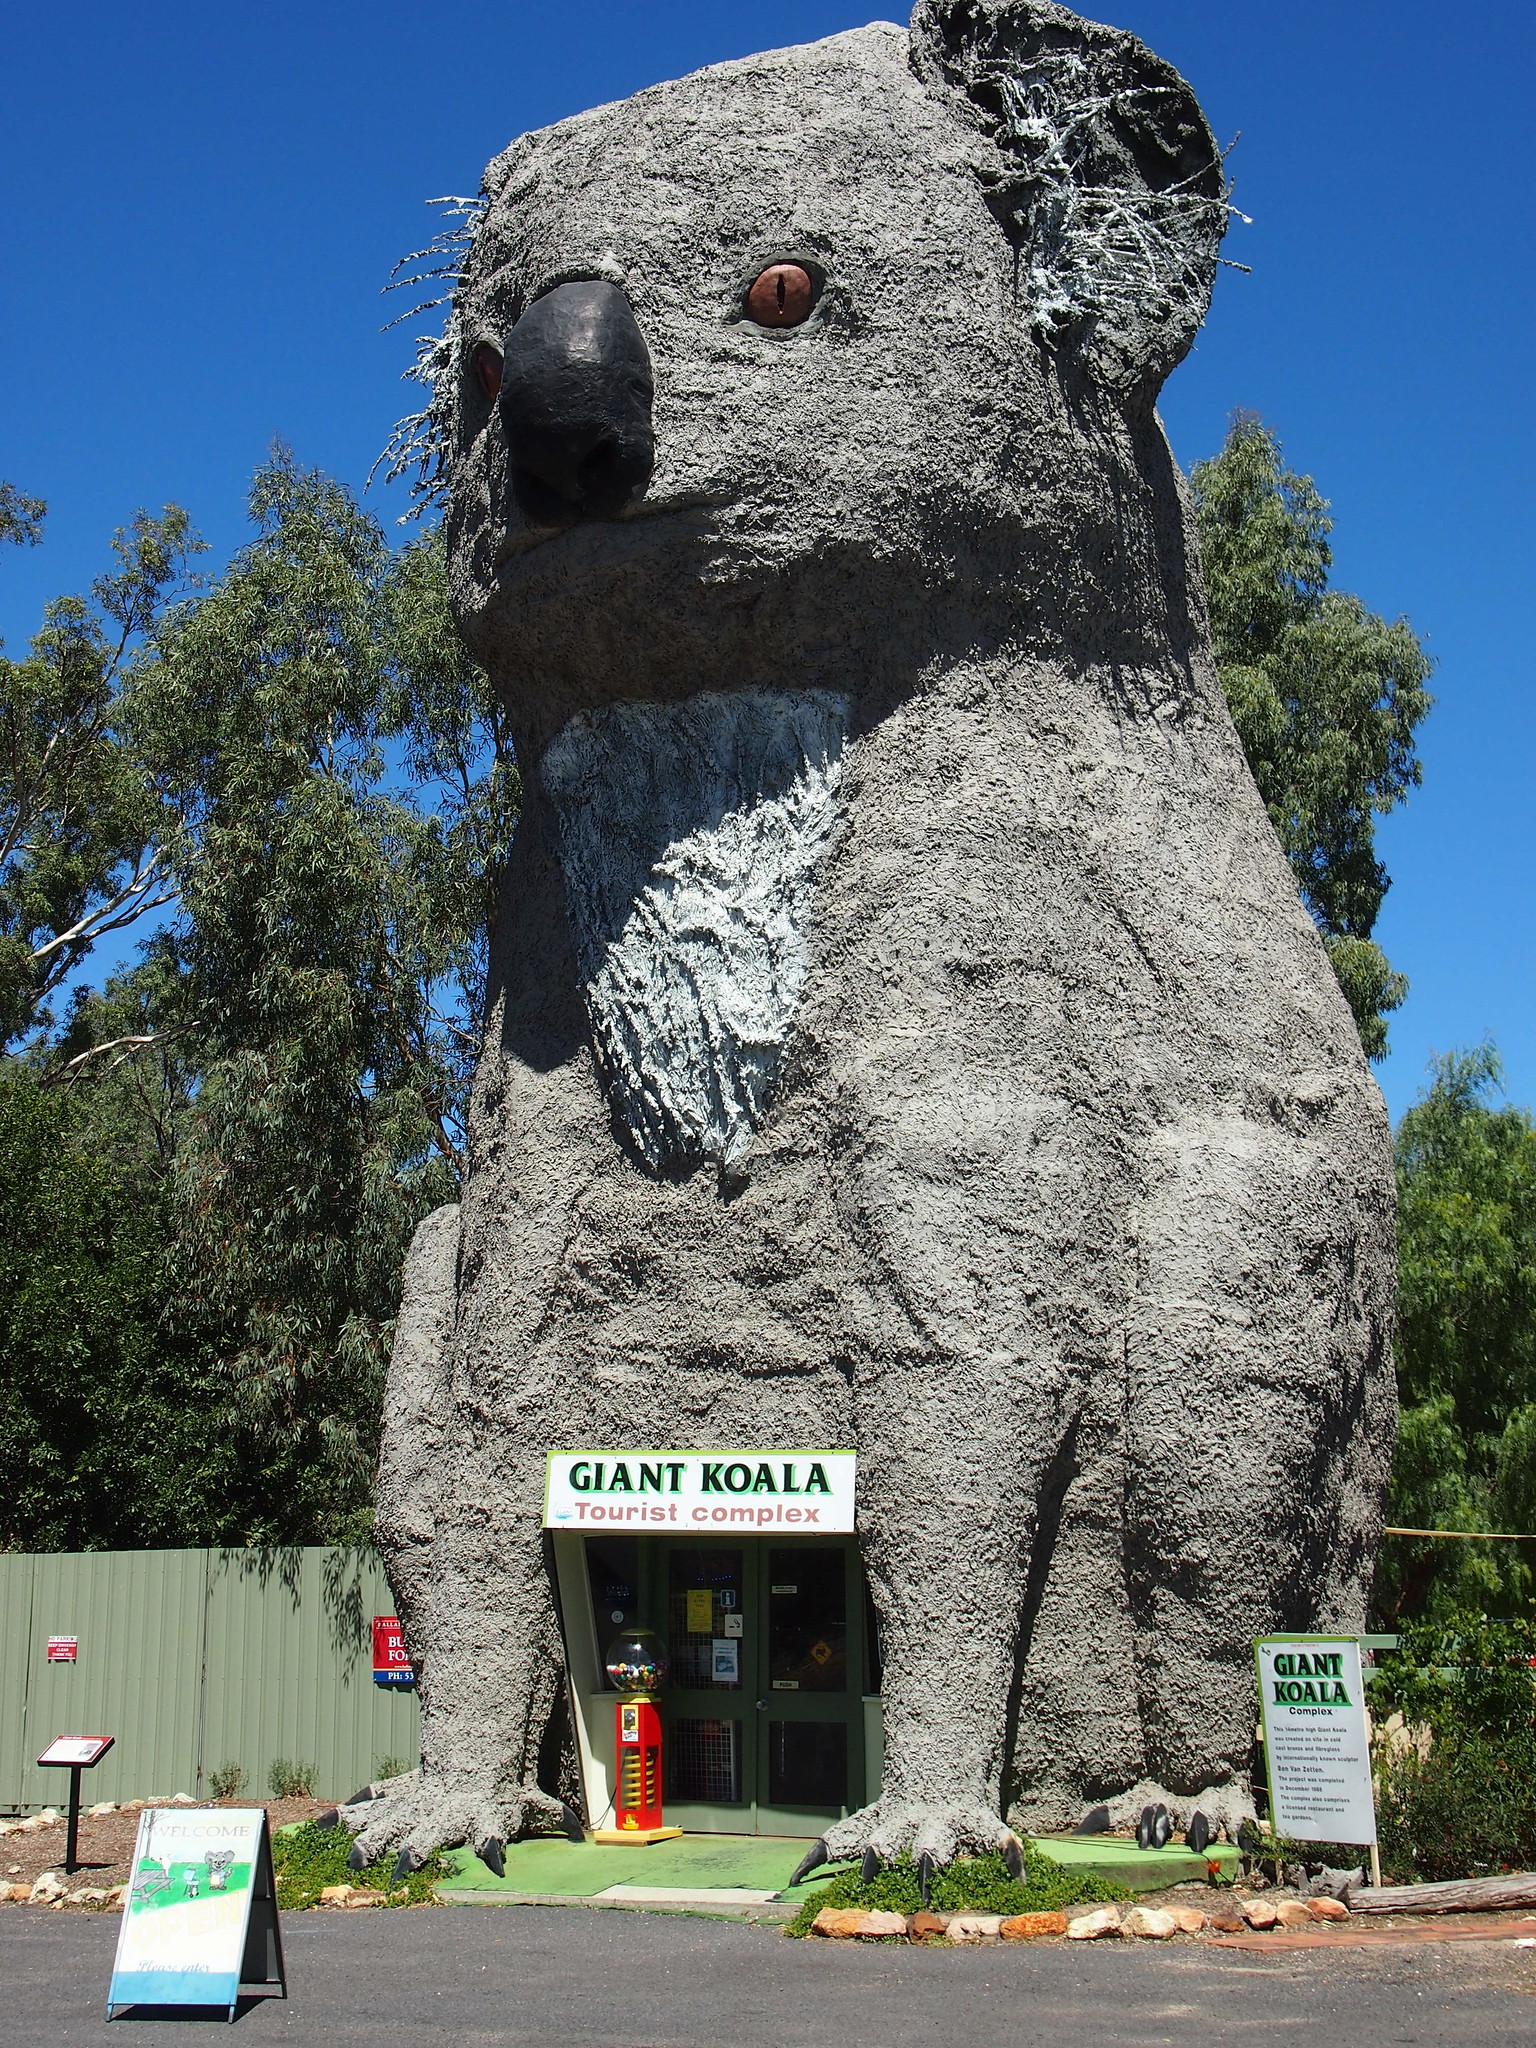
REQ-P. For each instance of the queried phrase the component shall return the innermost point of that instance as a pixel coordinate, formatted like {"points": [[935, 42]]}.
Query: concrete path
{"points": [[564, 1977]]}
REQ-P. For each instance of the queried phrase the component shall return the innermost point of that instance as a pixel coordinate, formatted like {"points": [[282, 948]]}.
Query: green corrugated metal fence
{"points": [[195, 1659]]}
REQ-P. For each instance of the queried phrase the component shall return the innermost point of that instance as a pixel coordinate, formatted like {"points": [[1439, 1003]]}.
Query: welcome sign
{"points": [[1316, 1748], [199, 1923], [748, 1492]]}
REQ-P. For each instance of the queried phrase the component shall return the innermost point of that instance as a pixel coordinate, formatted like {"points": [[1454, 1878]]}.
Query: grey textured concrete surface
{"points": [[546, 1979], [1022, 1138]]}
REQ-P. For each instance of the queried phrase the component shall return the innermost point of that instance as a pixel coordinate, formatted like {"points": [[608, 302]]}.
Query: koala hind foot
{"points": [[415, 1815], [931, 1833]]}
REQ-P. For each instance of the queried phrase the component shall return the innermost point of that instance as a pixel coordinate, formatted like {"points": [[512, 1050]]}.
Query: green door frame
{"points": [[757, 1706]]}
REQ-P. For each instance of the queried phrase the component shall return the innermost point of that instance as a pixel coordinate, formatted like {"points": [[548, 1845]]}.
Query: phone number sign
{"points": [[391, 1664]]}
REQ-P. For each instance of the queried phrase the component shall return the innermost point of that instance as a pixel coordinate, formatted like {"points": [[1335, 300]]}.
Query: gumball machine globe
{"points": [[637, 1663]]}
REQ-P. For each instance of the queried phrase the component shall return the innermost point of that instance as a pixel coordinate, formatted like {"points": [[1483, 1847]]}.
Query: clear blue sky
{"points": [[202, 203]]}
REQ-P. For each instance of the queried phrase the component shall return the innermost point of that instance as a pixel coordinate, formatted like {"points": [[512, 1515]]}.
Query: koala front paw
{"points": [[416, 1814], [931, 1833]]}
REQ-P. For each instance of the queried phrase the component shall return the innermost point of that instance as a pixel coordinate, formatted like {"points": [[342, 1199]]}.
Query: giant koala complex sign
{"points": [[904, 1030]]}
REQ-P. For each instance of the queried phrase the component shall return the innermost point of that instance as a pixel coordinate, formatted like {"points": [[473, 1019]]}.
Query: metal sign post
{"points": [[75, 1753]]}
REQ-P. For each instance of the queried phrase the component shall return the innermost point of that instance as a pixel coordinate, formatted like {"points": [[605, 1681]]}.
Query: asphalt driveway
{"points": [[554, 1977]]}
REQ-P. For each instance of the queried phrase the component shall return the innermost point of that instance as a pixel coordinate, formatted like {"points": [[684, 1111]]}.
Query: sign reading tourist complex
{"points": [[766, 1492], [199, 1923], [1316, 1748]]}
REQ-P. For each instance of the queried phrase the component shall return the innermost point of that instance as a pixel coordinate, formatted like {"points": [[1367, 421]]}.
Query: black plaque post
{"points": [[77, 1753], [72, 1839]]}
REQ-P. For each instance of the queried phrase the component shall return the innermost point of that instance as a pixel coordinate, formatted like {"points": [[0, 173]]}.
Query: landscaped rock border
{"points": [[1137, 1923]]}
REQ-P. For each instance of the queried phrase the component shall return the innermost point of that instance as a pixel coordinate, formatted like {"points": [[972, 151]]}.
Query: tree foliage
{"points": [[328, 941], [1325, 695], [21, 517], [86, 828], [1466, 1344], [317, 781]]}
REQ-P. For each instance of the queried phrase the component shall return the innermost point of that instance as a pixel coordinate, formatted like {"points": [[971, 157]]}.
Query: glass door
{"points": [[763, 1710], [707, 1760], [810, 1711]]}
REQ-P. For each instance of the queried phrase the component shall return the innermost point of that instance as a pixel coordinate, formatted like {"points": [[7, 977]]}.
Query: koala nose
{"points": [[575, 404]]}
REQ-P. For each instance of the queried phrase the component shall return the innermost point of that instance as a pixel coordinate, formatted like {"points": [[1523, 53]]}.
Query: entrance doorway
{"points": [[763, 1712]]}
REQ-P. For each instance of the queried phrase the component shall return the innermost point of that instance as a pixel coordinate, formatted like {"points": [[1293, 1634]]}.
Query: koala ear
{"points": [[1106, 178]]}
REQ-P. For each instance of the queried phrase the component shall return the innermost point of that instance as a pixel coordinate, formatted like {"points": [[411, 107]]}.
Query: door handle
{"points": [[761, 1705]]}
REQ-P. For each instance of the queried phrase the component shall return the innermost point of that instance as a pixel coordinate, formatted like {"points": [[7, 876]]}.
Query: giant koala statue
{"points": [[904, 1031]]}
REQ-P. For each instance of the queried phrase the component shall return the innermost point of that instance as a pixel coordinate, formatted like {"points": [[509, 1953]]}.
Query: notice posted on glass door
{"points": [[1316, 1744]]}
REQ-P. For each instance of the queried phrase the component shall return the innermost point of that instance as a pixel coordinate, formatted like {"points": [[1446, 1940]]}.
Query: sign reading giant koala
{"points": [[904, 1029]]}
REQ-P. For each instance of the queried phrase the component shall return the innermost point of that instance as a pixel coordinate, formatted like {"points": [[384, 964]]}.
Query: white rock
{"points": [[1095, 1926], [47, 1888], [49, 1817], [1150, 1923], [974, 1926], [182, 1799], [102, 1806], [88, 1895]]}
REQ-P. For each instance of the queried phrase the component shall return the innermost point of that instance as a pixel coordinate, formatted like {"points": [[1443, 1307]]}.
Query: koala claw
{"points": [[423, 1814], [357, 1860], [405, 1863], [490, 1854], [813, 1859], [924, 1876], [893, 1826], [869, 1869], [574, 1831], [1013, 1856]]}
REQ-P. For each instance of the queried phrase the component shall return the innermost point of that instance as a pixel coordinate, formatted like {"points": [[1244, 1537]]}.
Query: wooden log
{"points": [[1462, 1895]]}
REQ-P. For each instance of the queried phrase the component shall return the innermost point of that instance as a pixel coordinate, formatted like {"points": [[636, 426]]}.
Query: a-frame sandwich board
{"points": [[200, 1923]]}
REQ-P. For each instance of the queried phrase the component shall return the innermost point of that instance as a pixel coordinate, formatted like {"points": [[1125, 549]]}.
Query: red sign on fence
{"points": [[63, 1649], [391, 1666]]}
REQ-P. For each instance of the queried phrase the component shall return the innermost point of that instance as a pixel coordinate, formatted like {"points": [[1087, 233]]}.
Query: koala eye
{"points": [[485, 365], [782, 296]]}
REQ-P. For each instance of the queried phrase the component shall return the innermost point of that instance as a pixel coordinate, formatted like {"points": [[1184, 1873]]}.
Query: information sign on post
{"points": [[1316, 1743], [74, 1753], [199, 1924]]}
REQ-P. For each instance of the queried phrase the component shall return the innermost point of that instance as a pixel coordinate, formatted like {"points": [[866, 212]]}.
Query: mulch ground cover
{"points": [[106, 1843]]}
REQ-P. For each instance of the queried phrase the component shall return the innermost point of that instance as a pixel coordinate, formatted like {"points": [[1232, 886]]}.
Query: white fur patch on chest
{"points": [[690, 838]]}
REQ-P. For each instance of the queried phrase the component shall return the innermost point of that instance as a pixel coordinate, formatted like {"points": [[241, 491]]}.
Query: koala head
{"points": [[741, 370]]}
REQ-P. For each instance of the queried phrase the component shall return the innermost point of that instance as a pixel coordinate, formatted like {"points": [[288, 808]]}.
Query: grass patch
{"points": [[307, 1859], [973, 1884]]}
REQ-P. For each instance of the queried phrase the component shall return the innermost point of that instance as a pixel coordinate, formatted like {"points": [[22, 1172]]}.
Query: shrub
{"points": [[392, 1767], [1466, 1809], [290, 1780], [308, 1858], [1462, 1804], [978, 1884], [228, 1781]]}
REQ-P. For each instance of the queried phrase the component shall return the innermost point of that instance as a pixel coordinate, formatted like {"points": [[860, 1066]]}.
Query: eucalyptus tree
{"points": [[1325, 694]]}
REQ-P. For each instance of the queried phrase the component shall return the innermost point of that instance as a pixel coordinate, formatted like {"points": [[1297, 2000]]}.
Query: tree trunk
{"points": [[1464, 1895]]}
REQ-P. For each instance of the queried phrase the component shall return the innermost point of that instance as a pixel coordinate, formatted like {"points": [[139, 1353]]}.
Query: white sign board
{"points": [[1316, 1748], [763, 1493], [200, 1920], [77, 1749]]}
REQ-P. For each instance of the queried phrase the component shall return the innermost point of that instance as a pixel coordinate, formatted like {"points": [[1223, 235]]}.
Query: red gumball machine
{"points": [[638, 1667]]}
